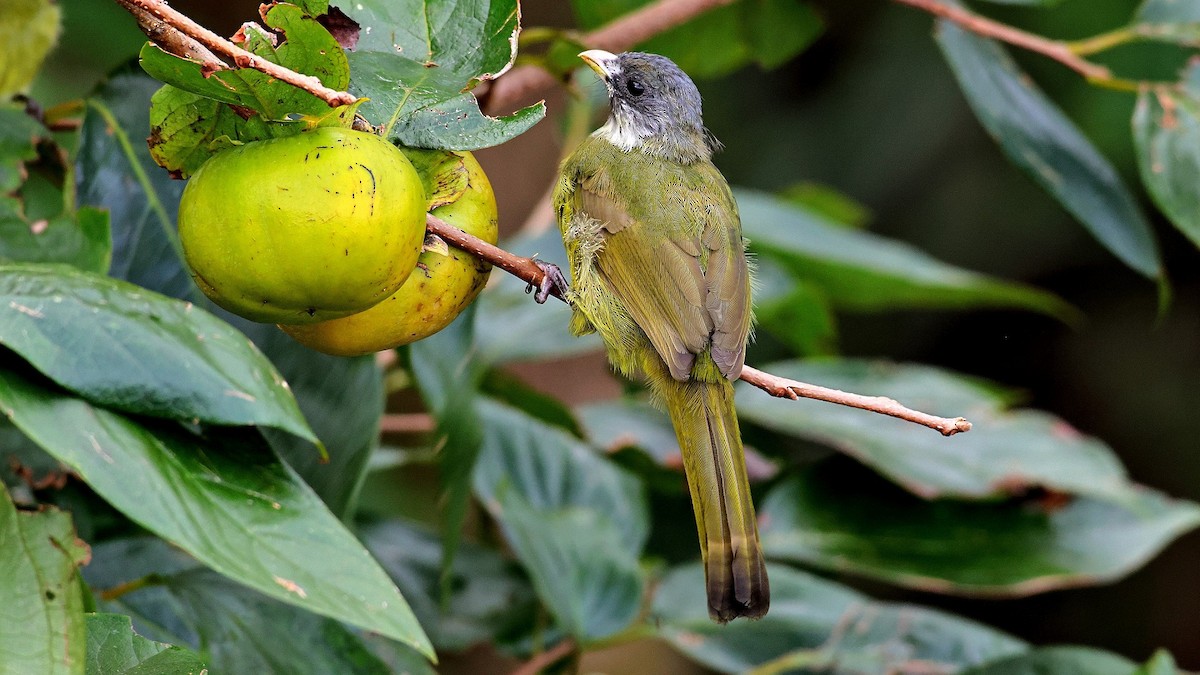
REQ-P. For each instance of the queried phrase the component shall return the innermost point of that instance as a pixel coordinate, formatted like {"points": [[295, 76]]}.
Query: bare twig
{"points": [[522, 268], [782, 387], [622, 33], [406, 423], [240, 57], [526, 270], [540, 661], [171, 39], [1055, 49]]}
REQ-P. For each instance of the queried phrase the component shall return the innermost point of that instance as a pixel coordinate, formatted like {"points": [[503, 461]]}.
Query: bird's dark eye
{"points": [[635, 87]]}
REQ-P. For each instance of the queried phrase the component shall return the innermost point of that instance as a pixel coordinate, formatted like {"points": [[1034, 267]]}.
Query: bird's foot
{"points": [[552, 280]]}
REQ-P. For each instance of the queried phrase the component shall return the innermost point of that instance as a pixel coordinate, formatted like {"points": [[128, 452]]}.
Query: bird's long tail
{"points": [[707, 429]]}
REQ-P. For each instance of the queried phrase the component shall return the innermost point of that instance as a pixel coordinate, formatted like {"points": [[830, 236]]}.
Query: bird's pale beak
{"points": [[604, 63]]}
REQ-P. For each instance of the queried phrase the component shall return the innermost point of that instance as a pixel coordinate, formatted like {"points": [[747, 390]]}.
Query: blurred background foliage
{"points": [[871, 111]]}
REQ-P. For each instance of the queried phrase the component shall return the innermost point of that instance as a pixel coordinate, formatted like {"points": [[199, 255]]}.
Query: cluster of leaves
{"points": [[198, 438]]}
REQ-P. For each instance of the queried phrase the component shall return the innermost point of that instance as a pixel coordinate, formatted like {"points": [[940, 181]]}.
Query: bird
{"points": [[659, 269]]}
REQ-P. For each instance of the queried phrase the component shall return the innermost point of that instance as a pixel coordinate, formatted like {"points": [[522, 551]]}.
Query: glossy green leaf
{"points": [[28, 31], [191, 118], [1175, 21], [18, 134], [862, 271], [448, 373], [489, 597], [848, 522], [416, 61], [427, 108], [1005, 452], [42, 225], [579, 564], [117, 174], [307, 48], [552, 470], [1166, 128], [224, 499], [238, 630], [1042, 141], [473, 37], [342, 399], [123, 347], [40, 592], [512, 327], [722, 39], [821, 626], [625, 422], [80, 239], [113, 648], [575, 520], [1059, 661]]}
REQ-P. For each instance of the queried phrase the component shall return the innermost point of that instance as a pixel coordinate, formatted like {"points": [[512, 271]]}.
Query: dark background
{"points": [[872, 111]]}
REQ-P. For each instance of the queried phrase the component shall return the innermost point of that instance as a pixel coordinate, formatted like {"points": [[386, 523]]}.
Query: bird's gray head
{"points": [[655, 106]]}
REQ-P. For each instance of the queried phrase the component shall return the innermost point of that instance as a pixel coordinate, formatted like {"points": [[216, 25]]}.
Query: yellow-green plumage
{"points": [[659, 270]]}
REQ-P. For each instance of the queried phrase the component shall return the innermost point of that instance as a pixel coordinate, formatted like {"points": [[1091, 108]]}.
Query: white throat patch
{"points": [[623, 135]]}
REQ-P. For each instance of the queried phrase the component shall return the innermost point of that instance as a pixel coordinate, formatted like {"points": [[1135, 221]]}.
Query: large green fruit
{"points": [[445, 282], [305, 228]]}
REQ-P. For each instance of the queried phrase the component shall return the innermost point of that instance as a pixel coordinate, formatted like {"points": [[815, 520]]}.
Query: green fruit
{"points": [[304, 228], [445, 281]]}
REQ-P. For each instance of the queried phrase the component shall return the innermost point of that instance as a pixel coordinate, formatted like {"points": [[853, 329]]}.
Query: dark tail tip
{"points": [[738, 590]]}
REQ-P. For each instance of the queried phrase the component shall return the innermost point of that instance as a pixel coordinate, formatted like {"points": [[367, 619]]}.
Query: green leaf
{"points": [[1005, 452], [723, 39], [489, 597], [40, 593], [117, 174], [579, 565], [239, 630], [448, 372], [28, 31], [822, 626], [576, 521], [1169, 21], [1166, 128], [1029, 3], [38, 222], [551, 470], [80, 239], [191, 118], [113, 648], [342, 399], [19, 134], [426, 107], [474, 37], [1042, 141], [309, 49], [123, 347], [862, 271], [418, 60], [851, 523], [221, 498], [1060, 661], [1161, 663]]}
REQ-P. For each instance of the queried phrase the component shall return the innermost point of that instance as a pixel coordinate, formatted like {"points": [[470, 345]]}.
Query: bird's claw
{"points": [[552, 280]]}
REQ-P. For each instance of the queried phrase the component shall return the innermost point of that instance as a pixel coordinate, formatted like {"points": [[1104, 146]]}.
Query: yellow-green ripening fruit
{"points": [[305, 228], [445, 282]]}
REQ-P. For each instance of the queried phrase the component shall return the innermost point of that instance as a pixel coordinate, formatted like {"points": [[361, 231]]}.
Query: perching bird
{"points": [[659, 271]]}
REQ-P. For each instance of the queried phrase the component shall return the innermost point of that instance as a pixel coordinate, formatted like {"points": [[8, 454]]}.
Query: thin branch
{"points": [[782, 387], [526, 270], [621, 34], [1055, 49], [406, 423], [549, 657], [522, 268], [240, 57]]}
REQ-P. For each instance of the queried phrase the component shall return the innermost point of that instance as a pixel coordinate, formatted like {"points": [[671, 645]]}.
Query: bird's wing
{"points": [[656, 271]]}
